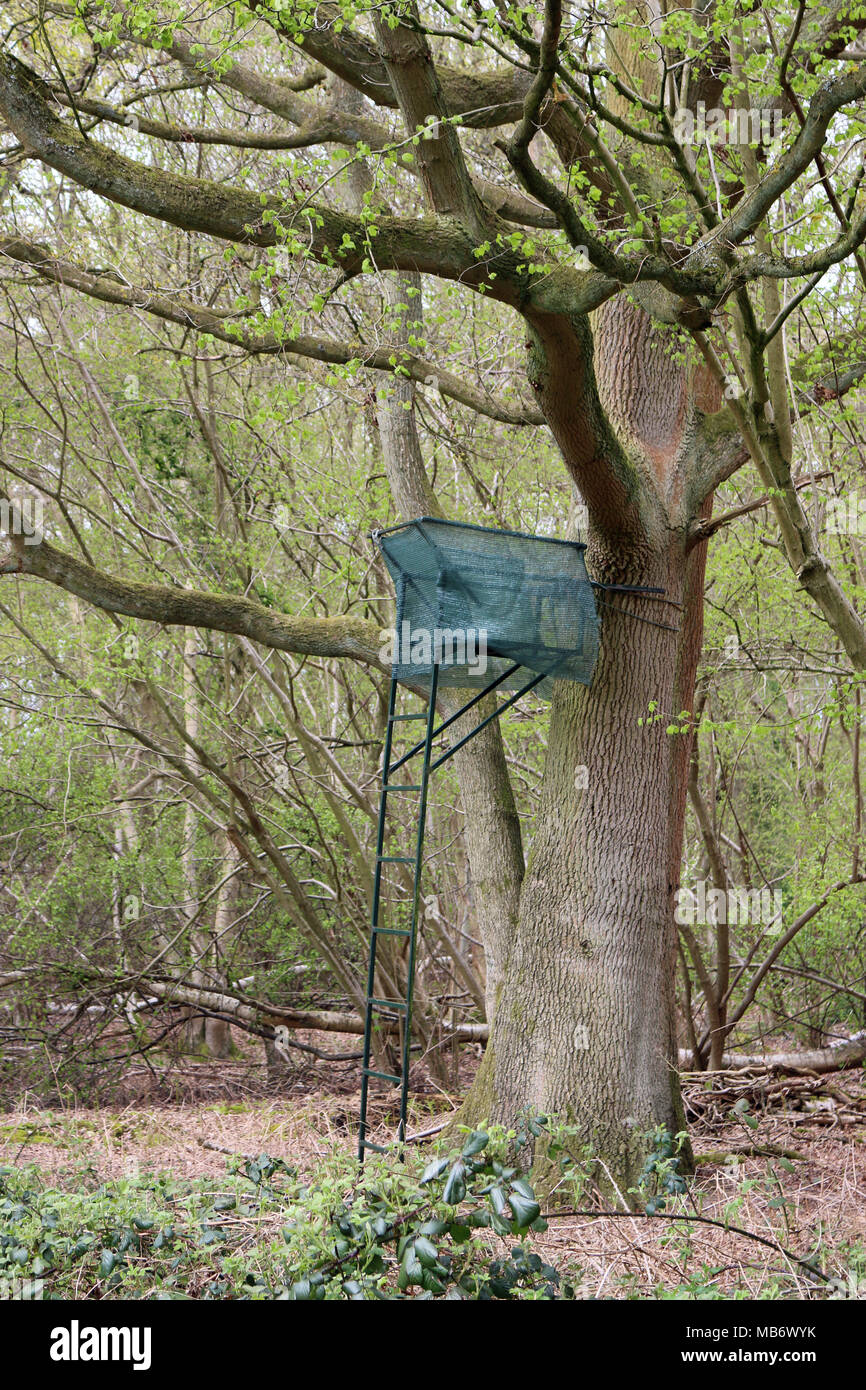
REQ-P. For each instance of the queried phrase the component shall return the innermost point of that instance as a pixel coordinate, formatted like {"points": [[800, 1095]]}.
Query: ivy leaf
{"points": [[434, 1170], [455, 1188], [475, 1144]]}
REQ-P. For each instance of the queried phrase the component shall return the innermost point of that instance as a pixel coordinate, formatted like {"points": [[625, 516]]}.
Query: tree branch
{"points": [[830, 97], [159, 603], [317, 127], [395, 361], [414, 80], [434, 245], [480, 99]]}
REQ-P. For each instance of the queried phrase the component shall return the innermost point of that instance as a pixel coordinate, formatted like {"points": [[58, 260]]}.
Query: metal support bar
{"points": [[452, 719], [449, 753]]}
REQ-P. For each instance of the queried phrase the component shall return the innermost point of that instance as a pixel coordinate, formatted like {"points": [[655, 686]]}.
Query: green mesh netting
{"points": [[462, 589]]}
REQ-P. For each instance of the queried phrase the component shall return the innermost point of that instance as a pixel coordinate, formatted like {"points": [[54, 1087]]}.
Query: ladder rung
{"points": [[395, 858], [387, 1004], [402, 787], [399, 718], [392, 931], [382, 1075]]}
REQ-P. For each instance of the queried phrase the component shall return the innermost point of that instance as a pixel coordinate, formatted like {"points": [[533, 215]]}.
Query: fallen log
{"points": [[821, 1059], [258, 1017]]}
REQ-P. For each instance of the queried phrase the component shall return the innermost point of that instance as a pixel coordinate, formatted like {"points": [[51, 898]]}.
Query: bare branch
{"points": [[159, 603], [224, 326]]}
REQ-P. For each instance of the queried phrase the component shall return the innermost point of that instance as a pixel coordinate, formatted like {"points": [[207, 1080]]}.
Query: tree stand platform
{"points": [[477, 609]]}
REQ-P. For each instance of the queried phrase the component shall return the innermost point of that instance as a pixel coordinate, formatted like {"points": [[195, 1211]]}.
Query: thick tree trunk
{"points": [[584, 1026]]}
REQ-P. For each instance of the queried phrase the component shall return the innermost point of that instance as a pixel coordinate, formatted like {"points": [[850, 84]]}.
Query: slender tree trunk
{"points": [[217, 1034], [195, 1028], [492, 826]]}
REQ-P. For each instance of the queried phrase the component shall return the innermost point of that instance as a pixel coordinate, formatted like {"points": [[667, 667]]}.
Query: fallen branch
{"points": [[713, 1156], [821, 1059], [810, 1268]]}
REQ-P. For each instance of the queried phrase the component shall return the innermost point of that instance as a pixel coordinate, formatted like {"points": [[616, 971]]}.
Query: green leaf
{"points": [[411, 1269], [426, 1251], [434, 1170], [434, 1228], [455, 1188], [523, 1187], [524, 1209], [475, 1144], [498, 1200], [459, 1232], [479, 1218]]}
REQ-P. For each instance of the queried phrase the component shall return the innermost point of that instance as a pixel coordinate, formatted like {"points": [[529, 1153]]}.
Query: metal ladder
{"points": [[400, 1010], [396, 1010]]}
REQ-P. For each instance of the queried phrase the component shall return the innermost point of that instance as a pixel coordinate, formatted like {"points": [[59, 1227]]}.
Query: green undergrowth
{"points": [[395, 1230], [463, 1225]]}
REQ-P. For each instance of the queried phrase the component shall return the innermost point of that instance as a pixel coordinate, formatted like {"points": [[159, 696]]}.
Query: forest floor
{"points": [[783, 1157]]}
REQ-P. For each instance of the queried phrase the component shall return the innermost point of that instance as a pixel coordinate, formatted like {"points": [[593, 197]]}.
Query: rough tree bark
{"points": [[584, 1024]]}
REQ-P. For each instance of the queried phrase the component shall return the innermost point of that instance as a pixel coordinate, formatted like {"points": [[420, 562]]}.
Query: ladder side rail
{"points": [[416, 893], [374, 915]]}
